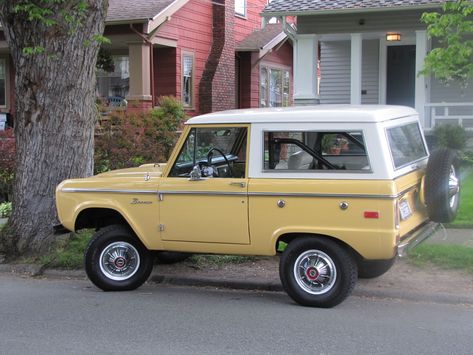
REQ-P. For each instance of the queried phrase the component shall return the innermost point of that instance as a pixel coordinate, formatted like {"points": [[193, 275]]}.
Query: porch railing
{"points": [[460, 113]]}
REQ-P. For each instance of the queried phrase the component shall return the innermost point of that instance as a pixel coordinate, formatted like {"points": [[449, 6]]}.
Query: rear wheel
{"points": [[317, 272], [115, 260]]}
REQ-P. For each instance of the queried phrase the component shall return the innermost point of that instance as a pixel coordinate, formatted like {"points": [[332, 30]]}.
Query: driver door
{"points": [[214, 207]]}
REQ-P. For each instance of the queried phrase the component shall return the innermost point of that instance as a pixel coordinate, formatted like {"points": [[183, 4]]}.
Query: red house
{"points": [[212, 55]]}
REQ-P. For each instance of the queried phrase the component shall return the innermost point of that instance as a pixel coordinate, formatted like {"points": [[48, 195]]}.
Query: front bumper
{"points": [[416, 237]]}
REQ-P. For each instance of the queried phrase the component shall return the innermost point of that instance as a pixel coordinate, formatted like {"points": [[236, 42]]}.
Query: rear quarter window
{"points": [[406, 144]]}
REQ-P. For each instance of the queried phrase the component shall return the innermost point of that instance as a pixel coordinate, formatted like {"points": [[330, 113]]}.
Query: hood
{"points": [[153, 170]]}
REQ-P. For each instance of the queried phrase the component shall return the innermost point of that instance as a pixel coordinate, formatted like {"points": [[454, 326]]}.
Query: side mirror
{"points": [[195, 174]]}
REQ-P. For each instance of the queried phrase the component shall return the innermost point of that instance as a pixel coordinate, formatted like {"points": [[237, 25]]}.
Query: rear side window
{"points": [[406, 144], [312, 150]]}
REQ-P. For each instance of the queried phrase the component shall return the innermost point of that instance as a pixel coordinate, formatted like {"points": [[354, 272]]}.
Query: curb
{"points": [[209, 282], [247, 285]]}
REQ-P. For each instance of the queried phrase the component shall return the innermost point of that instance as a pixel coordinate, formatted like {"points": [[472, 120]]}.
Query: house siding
{"points": [[191, 27], [252, 21], [351, 23], [335, 72], [370, 75]]}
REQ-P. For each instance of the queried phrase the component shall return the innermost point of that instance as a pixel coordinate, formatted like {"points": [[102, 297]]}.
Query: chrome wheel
{"points": [[315, 272], [453, 187], [119, 261]]}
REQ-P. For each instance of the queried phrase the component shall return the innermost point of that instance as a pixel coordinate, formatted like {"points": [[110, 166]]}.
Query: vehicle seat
{"points": [[300, 160]]}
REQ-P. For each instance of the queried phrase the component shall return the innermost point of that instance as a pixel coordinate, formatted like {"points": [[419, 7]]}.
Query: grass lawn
{"points": [[465, 214], [445, 256], [69, 252]]}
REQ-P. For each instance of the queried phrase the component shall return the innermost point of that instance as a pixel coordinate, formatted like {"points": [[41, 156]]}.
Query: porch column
{"points": [[139, 95], [305, 70], [421, 94], [355, 80]]}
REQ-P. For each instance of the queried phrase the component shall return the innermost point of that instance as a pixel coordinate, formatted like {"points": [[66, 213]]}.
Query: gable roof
{"points": [[136, 10], [257, 40], [313, 7]]}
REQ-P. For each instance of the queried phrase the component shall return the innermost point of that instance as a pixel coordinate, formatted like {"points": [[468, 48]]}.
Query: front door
{"points": [[212, 208], [400, 81]]}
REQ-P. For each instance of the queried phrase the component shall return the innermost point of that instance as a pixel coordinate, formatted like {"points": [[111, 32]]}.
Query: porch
{"points": [[353, 53]]}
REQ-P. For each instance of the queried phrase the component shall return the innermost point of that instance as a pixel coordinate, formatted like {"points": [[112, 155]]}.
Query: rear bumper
{"points": [[416, 237]]}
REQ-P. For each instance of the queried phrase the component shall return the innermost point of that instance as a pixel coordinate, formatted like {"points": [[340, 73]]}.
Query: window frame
{"points": [[424, 145], [269, 67], [188, 131], [5, 61], [289, 172], [108, 76], [191, 105], [245, 10]]}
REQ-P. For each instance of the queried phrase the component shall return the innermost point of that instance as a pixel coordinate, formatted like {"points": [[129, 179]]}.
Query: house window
{"points": [[240, 8], [3, 82], [114, 86], [187, 82], [274, 87]]}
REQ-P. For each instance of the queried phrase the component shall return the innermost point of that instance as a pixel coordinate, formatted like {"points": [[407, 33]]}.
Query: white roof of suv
{"points": [[318, 113]]}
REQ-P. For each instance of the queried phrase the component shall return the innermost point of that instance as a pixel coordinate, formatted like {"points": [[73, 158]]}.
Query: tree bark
{"points": [[55, 111]]}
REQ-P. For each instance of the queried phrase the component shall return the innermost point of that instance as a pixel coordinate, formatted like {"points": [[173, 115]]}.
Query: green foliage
{"points": [[465, 214], [33, 50], [5, 209], [7, 164], [453, 59], [105, 60], [126, 140], [53, 13], [451, 136], [68, 253], [445, 256]]}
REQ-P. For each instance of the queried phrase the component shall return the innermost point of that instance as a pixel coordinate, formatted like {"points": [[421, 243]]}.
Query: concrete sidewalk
{"points": [[456, 236]]}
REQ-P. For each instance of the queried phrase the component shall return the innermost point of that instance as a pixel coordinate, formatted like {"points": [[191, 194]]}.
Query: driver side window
{"points": [[217, 152]]}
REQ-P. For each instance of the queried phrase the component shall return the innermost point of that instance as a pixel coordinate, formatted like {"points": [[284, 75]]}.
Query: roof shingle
{"points": [[125, 10], [258, 39], [312, 6]]}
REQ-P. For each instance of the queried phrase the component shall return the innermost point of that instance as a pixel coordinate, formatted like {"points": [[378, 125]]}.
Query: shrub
{"points": [[126, 139], [5, 209], [451, 136], [7, 164]]}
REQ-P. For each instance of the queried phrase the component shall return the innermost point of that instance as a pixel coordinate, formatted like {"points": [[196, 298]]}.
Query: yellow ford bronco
{"points": [[338, 191]]}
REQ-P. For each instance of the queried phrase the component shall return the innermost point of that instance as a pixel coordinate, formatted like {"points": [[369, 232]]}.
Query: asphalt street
{"points": [[73, 317]]}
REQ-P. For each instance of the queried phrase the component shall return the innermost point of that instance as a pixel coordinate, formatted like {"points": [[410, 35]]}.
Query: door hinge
{"points": [[160, 197], [161, 227]]}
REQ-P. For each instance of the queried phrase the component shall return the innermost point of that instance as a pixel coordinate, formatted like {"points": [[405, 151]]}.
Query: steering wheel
{"points": [[209, 159]]}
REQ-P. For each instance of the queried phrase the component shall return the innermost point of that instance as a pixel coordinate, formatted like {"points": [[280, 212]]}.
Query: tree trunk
{"points": [[55, 111]]}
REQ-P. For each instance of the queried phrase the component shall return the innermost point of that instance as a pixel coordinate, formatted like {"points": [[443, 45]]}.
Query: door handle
{"points": [[241, 184]]}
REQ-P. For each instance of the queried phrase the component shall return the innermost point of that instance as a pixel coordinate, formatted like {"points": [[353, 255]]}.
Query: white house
{"points": [[369, 52]]}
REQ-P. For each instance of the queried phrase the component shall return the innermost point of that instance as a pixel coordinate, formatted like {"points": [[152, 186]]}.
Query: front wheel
{"points": [[115, 260], [317, 272]]}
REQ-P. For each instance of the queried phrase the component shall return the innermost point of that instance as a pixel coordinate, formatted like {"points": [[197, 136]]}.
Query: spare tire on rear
{"points": [[442, 185]]}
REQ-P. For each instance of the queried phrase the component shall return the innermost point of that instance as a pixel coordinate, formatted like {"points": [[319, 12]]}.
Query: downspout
{"points": [[151, 55]]}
